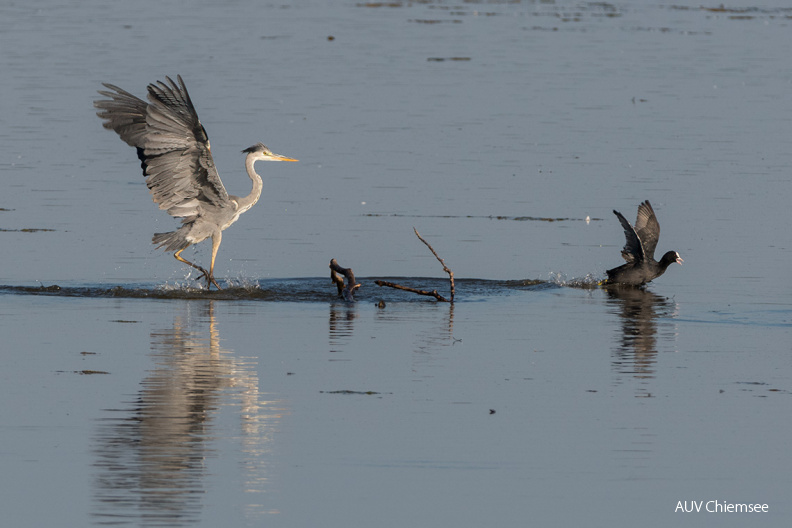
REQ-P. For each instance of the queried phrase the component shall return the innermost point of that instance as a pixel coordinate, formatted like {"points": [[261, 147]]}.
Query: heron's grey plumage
{"points": [[174, 153], [171, 143], [258, 147]]}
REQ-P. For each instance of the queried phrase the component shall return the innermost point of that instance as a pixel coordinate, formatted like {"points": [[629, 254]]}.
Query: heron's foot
{"points": [[209, 278]]}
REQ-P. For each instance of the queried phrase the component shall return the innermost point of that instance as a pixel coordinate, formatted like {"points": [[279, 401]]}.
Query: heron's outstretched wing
{"points": [[648, 228], [124, 113], [171, 143], [633, 251]]}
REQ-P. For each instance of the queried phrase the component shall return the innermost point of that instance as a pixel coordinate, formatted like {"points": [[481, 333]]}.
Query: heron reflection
{"points": [[151, 457]]}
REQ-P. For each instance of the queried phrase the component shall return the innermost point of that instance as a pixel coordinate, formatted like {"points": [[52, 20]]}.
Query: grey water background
{"points": [[130, 398]]}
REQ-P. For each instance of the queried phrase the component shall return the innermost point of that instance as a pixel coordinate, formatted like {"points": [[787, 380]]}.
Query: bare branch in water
{"points": [[442, 262], [432, 293], [346, 291]]}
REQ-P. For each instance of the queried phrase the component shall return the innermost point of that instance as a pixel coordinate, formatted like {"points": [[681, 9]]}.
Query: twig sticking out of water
{"points": [[432, 293], [346, 291], [441, 261]]}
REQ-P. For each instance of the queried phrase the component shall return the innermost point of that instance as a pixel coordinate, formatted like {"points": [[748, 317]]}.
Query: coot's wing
{"points": [[648, 228], [633, 251]]}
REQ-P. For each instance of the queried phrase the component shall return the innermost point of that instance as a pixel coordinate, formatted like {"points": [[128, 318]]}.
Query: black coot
{"points": [[639, 250]]}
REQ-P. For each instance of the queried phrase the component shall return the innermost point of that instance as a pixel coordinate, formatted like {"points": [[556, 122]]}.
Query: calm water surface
{"points": [[496, 129]]}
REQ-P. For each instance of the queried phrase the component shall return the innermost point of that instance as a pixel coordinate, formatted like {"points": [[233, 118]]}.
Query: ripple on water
{"points": [[312, 289]]}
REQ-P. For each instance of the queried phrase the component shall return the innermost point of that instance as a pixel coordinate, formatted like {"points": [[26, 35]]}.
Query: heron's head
{"points": [[260, 152]]}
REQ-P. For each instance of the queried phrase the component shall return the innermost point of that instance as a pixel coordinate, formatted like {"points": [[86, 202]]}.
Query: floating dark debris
{"points": [[723, 9], [381, 4], [26, 230], [366, 393], [442, 59], [491, 217], [82, 372], [434, 21]]}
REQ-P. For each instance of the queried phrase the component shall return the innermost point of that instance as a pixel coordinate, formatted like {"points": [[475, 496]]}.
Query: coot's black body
{"points": [[639, 250]]}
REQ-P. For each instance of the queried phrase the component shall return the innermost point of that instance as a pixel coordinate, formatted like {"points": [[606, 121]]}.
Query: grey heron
{"points": [[174, 153]]}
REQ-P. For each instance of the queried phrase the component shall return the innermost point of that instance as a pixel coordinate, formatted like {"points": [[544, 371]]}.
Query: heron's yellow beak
{"points": [[278, 157]]}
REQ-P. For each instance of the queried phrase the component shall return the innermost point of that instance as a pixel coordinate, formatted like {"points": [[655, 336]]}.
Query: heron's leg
{"points": [[182, 259], [204, 273], [217, 237]]}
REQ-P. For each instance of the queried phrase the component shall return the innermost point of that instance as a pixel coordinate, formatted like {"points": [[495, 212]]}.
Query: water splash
{"points": [[589, 281]]}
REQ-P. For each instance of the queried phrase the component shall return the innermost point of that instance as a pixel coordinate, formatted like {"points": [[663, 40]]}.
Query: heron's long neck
{"points": [[250, 200]]}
